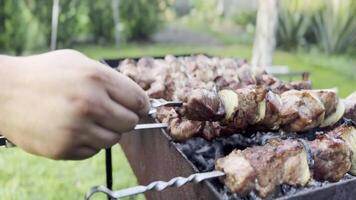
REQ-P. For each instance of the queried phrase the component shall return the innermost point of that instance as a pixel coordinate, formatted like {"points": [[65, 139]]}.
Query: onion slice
{"points": [[335, 117], [230, 101]]}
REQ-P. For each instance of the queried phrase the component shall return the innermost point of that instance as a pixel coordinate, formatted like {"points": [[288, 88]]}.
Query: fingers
{"points": [[101, 138], [81, 153], [126, 92], [116, 117]]}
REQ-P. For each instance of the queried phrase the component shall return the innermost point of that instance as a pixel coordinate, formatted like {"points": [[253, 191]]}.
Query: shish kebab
{"points": [[211, 114], [262, 168]]}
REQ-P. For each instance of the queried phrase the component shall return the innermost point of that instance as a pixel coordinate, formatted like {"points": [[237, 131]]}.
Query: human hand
{"points": [[63, 105]]}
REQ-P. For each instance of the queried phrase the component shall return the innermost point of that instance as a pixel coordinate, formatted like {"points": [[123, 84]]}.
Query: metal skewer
{"points": [[154, 186], [5, 142]]}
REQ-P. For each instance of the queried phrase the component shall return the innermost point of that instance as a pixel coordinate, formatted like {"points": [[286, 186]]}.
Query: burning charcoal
{"points": [[211, 165], [206, 151], [218, 150], [199, 159]]}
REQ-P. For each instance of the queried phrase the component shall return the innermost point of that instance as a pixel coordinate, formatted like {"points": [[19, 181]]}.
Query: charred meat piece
{"points": [[240, 174], [166, 114], [332, 158], [350, 106], [262, 168], [246, 75], [301, 110], [301, 85], [279, 87], [267, 166], [212, 130], [163, 87], [274, 165], [179, 128], [329, 100], [182, 129], [334, 109], [203, 105], [128, 67], [247, 111], [272, 119], [348, 134]]}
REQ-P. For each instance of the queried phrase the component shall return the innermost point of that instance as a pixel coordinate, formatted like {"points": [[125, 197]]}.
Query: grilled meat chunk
{"points": [[295, 167], [166, 114], [332, 158], [329, 100], [262, 168], [203, 105], [183, 129], [240, 175], [212, 130], [348, 134], [350, 106], [301, 110], [272, 119], [179, 128], [247, 111]]}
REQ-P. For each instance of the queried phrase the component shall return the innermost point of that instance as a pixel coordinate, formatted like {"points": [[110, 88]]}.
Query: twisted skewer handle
{"points": [[155, 186]]}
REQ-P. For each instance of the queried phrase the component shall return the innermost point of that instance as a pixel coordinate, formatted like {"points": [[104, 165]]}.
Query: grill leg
{"points": [[108, 164]]}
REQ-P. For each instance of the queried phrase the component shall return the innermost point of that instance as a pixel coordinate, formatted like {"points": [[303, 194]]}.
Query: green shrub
{"points": [[294, 22], [140, 18], [19, 28], [245, 17], [42, 11], [72, 22], [335, 27], [101, 21], [331, 25]]}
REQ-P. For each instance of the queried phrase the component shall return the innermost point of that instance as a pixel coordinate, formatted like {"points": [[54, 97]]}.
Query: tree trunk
{"points": [[116, 15], [220, 8], [55, 15], [265, 36]]}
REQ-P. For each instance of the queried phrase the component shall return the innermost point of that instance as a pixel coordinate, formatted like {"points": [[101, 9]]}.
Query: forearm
{"points": [[8, 81]]}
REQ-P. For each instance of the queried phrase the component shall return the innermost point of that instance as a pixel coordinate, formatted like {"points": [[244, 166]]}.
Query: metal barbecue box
{"points": [[154, 156]]}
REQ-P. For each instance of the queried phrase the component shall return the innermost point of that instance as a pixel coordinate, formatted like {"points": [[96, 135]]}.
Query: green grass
{"points": [[23, 176]]}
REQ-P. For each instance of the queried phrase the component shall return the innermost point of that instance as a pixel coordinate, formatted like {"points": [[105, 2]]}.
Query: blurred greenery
{"points": [[335, 27], [101, 19], [141, 18], [328, 24], [25, 25]]}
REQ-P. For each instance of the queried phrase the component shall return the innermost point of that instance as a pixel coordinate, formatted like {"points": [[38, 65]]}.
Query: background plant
{"points": [[141, 18], [334, 26]]}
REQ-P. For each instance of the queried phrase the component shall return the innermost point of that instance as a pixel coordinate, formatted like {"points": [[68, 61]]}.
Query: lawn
{"points": [[23, 176]]}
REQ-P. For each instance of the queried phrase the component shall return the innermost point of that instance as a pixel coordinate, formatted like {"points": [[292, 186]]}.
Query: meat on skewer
{"points": [[350, 106], [187, 73], [263, 168], [231, 111]]}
